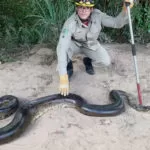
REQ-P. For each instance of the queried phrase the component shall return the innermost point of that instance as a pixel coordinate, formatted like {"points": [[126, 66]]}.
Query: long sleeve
{"points": [[114, 22], [62, 48]]}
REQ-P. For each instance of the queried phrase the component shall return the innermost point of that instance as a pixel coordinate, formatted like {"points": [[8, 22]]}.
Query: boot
{"points": [[70, 69], [88, 65]]}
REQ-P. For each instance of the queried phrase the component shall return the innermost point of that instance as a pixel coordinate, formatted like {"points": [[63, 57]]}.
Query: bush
{"points": [[48, 17], [140, 17], [15, 30], [27, 22]]}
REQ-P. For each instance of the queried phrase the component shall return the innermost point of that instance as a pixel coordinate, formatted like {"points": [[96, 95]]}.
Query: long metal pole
{"points": [[134, 54]]}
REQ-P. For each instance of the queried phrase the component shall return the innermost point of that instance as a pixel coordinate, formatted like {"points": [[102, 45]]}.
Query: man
{"points": [[79, 35]]}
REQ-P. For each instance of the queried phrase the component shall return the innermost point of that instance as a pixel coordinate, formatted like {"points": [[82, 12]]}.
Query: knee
{"points": [[105, 61]]}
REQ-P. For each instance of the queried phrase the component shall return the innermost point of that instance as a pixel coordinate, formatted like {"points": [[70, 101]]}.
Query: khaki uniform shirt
{"points": [[84, 36]]}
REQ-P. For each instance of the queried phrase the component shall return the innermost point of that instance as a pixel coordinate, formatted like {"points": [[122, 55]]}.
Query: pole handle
{"points": [[127, 4]]}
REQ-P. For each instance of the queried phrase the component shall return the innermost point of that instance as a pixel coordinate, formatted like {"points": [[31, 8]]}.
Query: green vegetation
{"points": [[24, 23]]}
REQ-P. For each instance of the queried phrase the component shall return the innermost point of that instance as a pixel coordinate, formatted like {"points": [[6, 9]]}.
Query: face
{"points": [[84, 12]]}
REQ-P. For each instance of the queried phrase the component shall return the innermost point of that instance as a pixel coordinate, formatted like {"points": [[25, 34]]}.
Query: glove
{"points": [[64, 85], [129, 1]]}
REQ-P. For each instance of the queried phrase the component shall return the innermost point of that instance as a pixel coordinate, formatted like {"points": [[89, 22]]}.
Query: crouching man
{"points": [[79, 35]]}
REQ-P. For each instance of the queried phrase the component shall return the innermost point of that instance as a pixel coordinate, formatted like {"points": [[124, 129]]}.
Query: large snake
{"points": [[10, 104]]}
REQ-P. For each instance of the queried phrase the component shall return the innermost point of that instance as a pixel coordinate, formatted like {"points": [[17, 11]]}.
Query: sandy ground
{"points": [[62, 127]]}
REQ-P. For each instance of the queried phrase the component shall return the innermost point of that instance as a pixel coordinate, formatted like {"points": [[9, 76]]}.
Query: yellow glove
{"points": [[129, 1], [64, 85]]}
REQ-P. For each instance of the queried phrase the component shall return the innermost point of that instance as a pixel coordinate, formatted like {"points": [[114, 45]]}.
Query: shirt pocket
{"points": [[94, 32], [80, 35]]}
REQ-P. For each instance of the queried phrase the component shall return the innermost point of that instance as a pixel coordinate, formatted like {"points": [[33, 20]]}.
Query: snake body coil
{"points": [[9, 104]]}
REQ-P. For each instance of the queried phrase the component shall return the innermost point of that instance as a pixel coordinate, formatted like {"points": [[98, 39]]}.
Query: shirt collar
{"points": [[77, 19]]}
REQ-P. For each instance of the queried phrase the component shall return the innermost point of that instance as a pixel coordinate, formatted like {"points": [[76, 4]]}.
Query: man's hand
{"points": [[64, 85], [128, 1]]}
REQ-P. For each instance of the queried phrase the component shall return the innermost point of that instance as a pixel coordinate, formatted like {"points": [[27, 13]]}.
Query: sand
{"points": [[61, 127]]}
